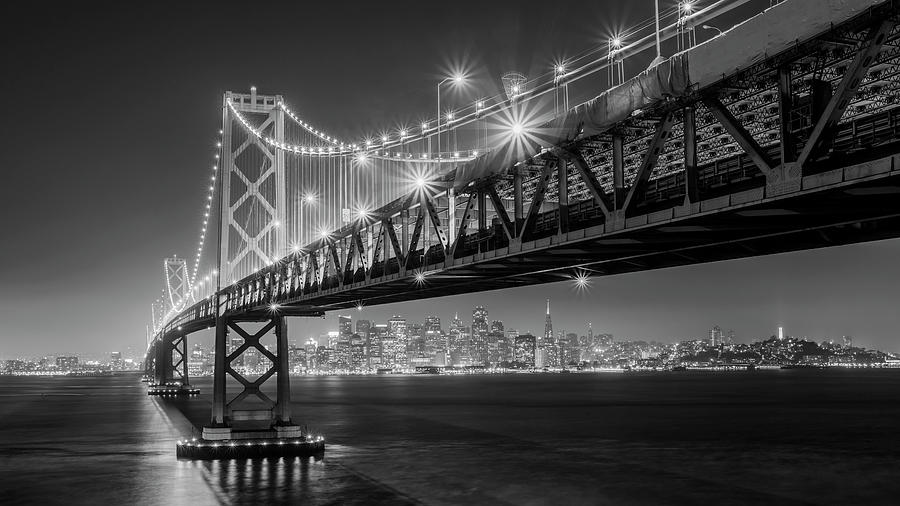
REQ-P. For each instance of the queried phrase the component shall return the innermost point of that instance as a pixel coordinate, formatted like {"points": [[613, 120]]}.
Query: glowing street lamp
{"points": [[559, 71], [559, 74]]}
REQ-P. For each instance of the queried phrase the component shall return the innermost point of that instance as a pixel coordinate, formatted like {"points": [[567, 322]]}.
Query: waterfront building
{"points": [[525, 351], [310, 349], [67, 363], [324, 359], [297, 359]]}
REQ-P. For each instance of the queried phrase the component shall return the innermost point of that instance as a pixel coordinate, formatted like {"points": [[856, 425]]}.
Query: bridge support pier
{"points": [[226, 411], [229, 435], [171, 368]]}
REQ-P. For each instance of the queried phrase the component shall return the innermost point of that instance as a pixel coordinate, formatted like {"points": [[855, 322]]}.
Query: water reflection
{"points": [[269, 480]]}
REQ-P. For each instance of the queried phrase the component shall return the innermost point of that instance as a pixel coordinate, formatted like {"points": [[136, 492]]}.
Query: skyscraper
{"points": [[345, 326], [547, 349], [342, 347], [715, 336], [358, 361], [456, 341], [435, 344], [363, 327], [479, 335], [548, 324], [377, 334], [397, 331]]}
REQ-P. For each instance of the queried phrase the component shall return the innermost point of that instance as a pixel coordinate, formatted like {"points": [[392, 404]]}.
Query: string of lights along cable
{"points": [[329, 182]]}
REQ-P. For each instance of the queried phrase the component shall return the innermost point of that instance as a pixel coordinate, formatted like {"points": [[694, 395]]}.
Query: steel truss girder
{"points": [[388, 227], [740, 135], [414, 240], [463, 224], [590, 180], [426, 200], [500, 211], [847, 88], [538, 198], [651, 157]]}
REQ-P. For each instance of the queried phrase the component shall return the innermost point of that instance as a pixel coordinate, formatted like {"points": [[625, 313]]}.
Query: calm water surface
{"points": [[779, 437]]}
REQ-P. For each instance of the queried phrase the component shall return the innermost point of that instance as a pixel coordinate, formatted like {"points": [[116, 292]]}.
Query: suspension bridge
{"points": [[778, 134]]}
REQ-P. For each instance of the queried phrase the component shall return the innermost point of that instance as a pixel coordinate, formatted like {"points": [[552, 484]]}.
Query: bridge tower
{"points": [[172, 355], [253, 185], [177, 289], [253, 228]]}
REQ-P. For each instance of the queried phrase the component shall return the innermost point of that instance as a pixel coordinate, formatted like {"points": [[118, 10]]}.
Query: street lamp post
{"points": [[658, 47], [457, 80]]}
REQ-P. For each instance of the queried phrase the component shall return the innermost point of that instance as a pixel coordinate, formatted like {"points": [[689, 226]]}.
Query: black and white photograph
{"points": [[518, 252]]}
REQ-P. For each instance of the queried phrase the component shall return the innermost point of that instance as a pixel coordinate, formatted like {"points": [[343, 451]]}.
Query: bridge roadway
{"points": [[797, 149]]}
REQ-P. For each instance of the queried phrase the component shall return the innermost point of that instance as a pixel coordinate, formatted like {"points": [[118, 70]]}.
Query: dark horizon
{"points": [[113, 127]]}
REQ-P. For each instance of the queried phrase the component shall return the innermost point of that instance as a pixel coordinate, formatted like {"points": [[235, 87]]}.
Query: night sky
{"points": [[110, 122]]}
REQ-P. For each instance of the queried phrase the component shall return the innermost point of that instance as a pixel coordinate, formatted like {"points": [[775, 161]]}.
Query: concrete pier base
{"points": [[172, 390], [243, 444]]}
